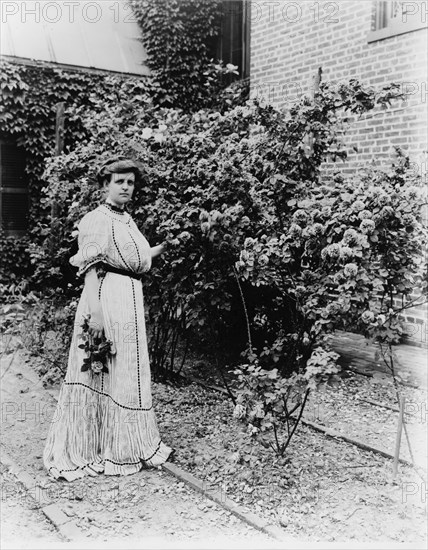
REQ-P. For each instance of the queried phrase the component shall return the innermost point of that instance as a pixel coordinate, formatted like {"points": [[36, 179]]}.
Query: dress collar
{"points": [[114, 208]]}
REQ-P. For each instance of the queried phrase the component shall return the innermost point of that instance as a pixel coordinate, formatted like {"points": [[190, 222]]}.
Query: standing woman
{"points": [[104, 421]]}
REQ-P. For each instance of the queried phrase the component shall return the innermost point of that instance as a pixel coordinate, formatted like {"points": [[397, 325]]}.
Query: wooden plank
{"points": [[59, 148]]}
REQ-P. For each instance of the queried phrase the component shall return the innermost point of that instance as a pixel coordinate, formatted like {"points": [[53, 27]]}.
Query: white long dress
{"points": [[105, 422]]}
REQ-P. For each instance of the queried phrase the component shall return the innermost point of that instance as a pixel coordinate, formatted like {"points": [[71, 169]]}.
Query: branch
{"points": [[250, 344], [298, 418]]}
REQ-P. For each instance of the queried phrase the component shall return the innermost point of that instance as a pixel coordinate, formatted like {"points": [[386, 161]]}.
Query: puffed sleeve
{"points": [[93, 241]]}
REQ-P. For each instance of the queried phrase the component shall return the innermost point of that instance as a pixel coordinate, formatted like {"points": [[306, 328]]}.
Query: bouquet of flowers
{"points": [[98, 350]]}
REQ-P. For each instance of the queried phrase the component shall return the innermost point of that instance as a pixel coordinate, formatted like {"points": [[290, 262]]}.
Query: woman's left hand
{"points": [[159, 249]]}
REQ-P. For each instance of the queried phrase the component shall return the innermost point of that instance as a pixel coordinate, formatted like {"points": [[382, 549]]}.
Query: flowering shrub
{"points": [[271, 402], [263, 257], [350, 249], [220, 187]]}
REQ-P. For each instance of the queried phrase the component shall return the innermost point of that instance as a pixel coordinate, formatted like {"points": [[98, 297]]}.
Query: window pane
{"points": [[14, 211], [12, 161], [14, 188]]}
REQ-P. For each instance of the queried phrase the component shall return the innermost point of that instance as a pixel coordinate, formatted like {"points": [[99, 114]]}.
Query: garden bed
{"points": [[323, 489]]}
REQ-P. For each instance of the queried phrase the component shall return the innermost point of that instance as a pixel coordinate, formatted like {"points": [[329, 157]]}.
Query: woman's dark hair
{"points": [[118, 165]]}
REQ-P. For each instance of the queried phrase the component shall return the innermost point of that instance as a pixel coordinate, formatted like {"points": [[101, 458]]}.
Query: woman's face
{"points": [[120, 188]]}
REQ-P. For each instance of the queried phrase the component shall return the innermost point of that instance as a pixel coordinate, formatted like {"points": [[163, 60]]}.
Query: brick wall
{"points": [[290, 40]]}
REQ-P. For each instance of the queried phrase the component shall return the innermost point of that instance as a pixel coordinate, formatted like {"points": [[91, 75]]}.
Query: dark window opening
{"points": [[233, 45], [13, 189]]}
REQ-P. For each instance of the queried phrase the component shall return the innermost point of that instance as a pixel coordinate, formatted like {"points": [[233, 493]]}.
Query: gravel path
{"points": [[20, 514], [150, 506], [323, 490]]}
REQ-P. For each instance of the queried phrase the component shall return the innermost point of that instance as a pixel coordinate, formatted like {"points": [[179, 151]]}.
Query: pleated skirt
{"points": [[105, 422]]}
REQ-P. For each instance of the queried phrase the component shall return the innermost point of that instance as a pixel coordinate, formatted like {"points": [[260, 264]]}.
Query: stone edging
{"points": [[220, 498], [66, 526], [326, 431]]}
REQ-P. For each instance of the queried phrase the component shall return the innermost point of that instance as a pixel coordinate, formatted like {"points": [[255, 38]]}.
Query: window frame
{"points": [[394, 26], [19, 190], [230, 11]]}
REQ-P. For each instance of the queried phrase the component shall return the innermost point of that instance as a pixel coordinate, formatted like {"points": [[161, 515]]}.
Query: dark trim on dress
{"points": [[100, 287], [122, 463], [117, 248], [109, 396], [136, 248], [156, 450], [142, 459], [110, 217], [87, 264], [70, 470], [119, 211], [74, 469], [136, 341]]}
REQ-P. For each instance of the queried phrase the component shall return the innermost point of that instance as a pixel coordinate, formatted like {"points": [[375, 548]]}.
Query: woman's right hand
{"points": [[96, 324]]}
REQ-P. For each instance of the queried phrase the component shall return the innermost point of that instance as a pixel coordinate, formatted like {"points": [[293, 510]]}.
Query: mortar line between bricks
{"points": [[53, 513]]}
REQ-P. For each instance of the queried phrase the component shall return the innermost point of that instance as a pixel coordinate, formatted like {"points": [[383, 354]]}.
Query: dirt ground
{"points": [[20, 514], [150, 506], [325, 491]]}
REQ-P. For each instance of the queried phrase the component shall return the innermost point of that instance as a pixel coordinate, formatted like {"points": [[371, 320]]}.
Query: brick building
{"points": [[374, 42]]}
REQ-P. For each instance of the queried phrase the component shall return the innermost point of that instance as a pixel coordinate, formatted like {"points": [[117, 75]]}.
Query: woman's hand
{"points": [[96, 324], [159, 249], [96, 321]]}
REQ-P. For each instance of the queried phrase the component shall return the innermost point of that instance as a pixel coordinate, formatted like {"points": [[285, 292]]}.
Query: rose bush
{"points": [[265, 256]]}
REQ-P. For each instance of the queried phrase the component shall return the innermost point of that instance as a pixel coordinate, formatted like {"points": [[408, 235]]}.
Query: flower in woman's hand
{"points": [[97, 367], [98, 350], [113, 349]]}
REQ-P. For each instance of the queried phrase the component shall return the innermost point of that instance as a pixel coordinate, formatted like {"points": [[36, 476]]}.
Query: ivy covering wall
{"points": [[29, 95], [28, 111], [180, 38]]}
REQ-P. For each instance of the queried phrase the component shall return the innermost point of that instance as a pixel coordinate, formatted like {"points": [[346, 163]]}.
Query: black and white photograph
{"points": [[213, 276]]}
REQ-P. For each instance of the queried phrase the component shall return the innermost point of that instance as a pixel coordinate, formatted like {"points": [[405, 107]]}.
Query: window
{"points": [[13, 189], [391, 18], [234, 43]]}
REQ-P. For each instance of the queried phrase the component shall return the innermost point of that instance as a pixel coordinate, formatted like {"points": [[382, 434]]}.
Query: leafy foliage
{"points": [[264, 256], [268, 401], [211, 182], [15, 259], [179, 37], [350, 248], [29, 96]]}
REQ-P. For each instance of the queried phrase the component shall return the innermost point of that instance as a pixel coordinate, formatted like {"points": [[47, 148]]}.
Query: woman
{"points": [[105, 421]]}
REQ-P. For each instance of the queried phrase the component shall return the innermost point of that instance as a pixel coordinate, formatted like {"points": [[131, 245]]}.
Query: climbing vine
{"points": [[179, 37], [29, 95]]}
